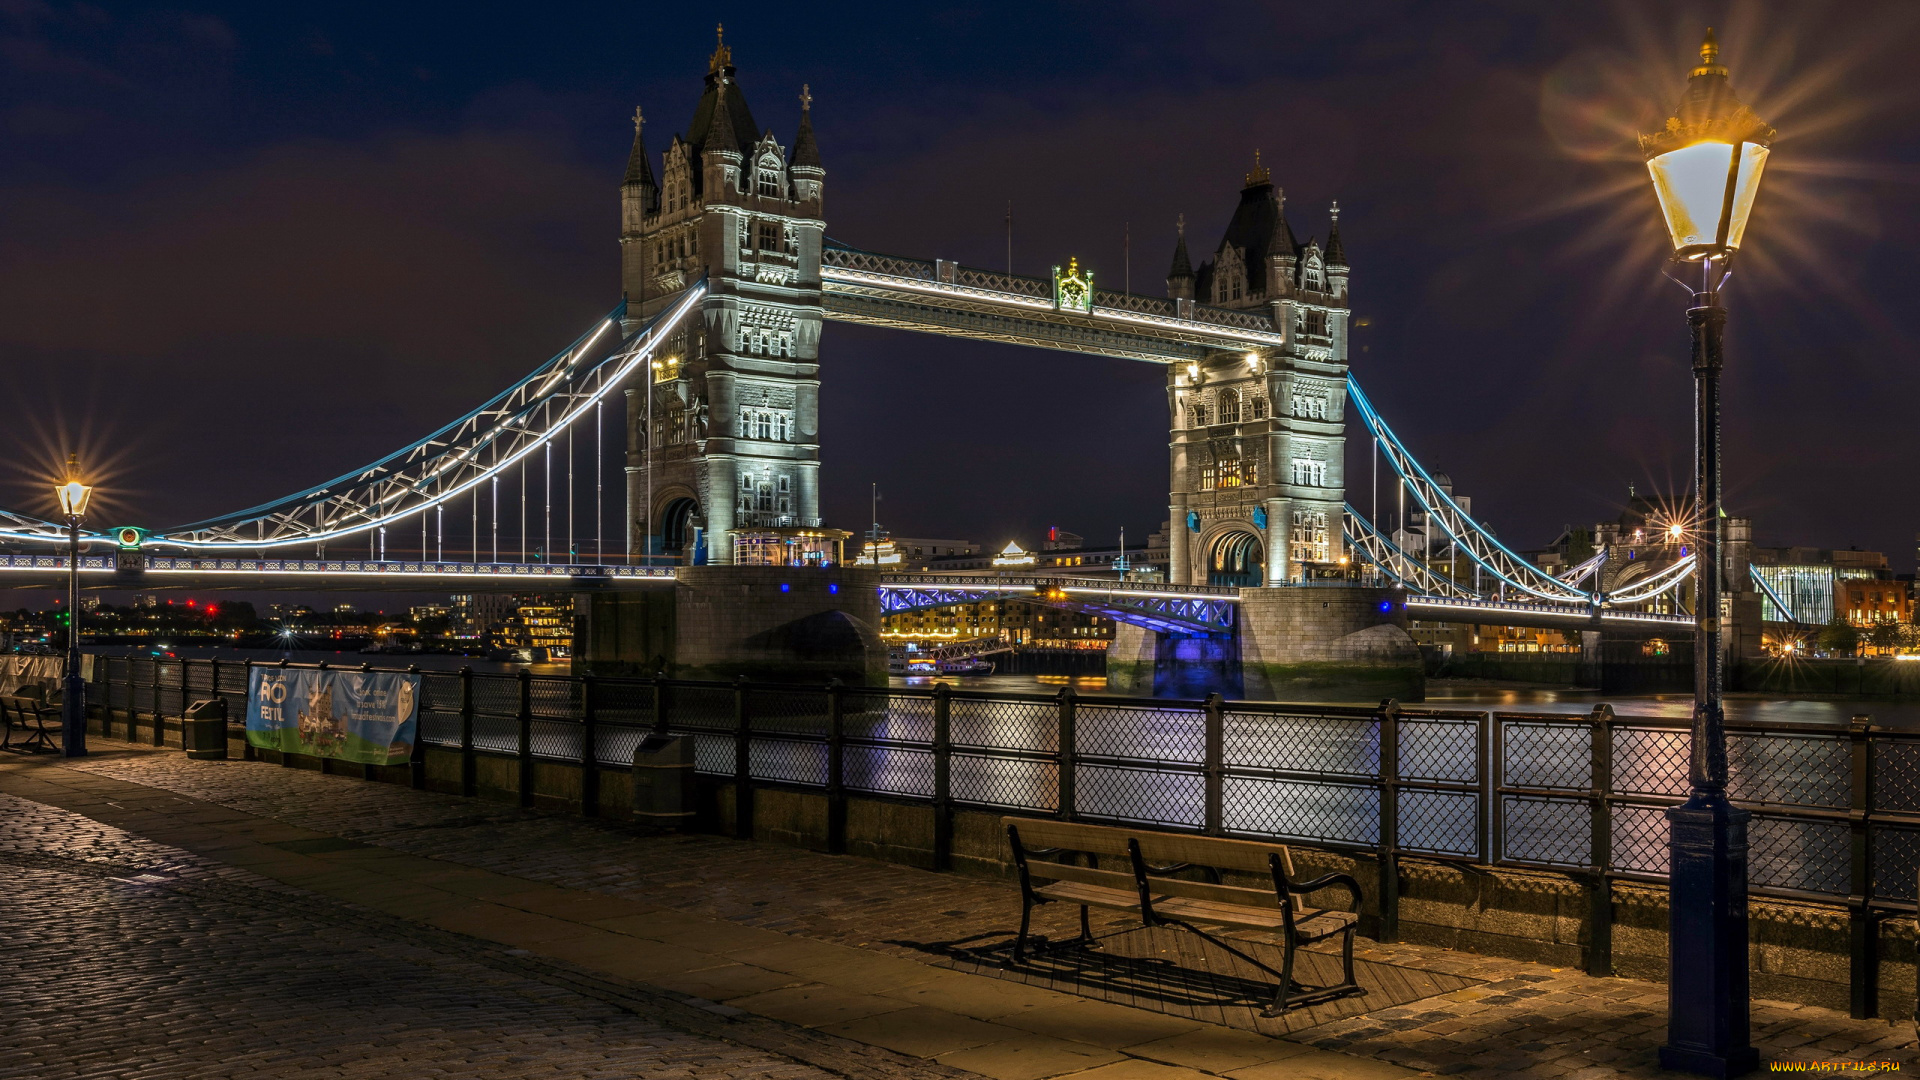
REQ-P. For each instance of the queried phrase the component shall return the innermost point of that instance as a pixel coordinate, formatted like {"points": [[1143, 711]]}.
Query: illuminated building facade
{"points": [[1257, 447], [537, 622], [723, 437], [1030, 625]]}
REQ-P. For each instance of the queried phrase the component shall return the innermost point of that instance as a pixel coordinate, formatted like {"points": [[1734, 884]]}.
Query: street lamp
{"points": [[73, 497], [1706, 168]]}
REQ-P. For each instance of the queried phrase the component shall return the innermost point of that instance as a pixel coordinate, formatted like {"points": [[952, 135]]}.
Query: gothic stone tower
{"points": [[731, 408], [1258, 475]]}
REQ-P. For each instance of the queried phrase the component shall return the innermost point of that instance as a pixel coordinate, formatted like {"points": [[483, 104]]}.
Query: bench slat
{"points": [[1042, 870], [1161, 849], [1045, 833], [1092, 895], [1310, 924]]}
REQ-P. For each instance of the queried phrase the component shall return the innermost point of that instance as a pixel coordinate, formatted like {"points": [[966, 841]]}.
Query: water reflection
{"points": [[1482, 697]]}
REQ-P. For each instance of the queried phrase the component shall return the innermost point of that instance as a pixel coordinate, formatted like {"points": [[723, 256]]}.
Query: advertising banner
{"points": [[363, 716]]}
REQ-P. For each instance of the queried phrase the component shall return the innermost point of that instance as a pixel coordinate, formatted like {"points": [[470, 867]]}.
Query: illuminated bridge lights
{"points": [[1167, 609], [161, 565]]}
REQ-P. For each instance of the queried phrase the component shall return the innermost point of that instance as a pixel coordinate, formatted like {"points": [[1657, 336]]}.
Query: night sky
{"points": [[246, 247]]}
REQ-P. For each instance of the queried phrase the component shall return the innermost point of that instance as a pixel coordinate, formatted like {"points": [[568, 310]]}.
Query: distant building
{"points": [[474, 615], [1013, 621], [1818, 585], [538, 623]]}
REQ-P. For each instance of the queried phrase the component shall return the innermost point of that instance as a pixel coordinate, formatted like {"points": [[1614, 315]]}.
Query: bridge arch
{"points": [[1236, 556], [676, 510]]}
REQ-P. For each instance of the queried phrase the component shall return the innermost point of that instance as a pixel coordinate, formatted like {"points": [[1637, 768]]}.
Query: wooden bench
{"points": [[27, 710], [1133, 870]]}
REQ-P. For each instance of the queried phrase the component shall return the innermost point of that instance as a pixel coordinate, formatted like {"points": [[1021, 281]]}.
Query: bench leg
{"points": [[1086, 930], [1278, 1005], [1026, 921], [1346, 956]]}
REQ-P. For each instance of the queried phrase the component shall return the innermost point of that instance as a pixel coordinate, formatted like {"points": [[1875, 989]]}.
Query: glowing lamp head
{"points": [[73, 494], [1706, 163], [1676, 530]]}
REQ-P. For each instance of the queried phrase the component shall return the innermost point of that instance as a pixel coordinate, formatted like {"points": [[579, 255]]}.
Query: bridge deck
{"points": [[1156, 605]]}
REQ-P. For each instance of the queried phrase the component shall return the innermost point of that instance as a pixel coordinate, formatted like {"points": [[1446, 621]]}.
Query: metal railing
{"points": [[1836, 811]]}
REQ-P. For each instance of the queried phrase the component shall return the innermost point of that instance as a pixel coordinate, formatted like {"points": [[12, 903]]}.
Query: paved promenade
{"points": [[210, 919]]}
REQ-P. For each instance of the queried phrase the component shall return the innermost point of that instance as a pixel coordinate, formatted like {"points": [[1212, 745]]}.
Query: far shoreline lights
{"points": [[1013, 555]]}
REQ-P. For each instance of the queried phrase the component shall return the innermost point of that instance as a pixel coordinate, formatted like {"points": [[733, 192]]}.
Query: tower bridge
{"points": [[707, 375]]}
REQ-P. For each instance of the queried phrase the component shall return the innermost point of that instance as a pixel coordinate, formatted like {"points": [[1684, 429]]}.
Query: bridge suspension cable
{"points": [[1473, 538], [479, 448], [1400, 567]]}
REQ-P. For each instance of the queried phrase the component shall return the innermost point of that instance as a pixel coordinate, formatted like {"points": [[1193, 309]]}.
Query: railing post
{"points": [[417, 755], [660, 702], [589, 751], [469, 766], [133, 696], [1214, 815], [836, 769], [1496, 779], [526, 738], [742, 763], [942, 776], [1600, 908], [1862, 924], [1067, 741], [246, 745], [286, 757], [1389, 721], [213, 689], [159, 709], [326, 763]]}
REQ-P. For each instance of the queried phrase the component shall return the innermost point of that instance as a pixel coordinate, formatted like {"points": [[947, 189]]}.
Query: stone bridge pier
{"points": [[767, 623], [1289, 643]]}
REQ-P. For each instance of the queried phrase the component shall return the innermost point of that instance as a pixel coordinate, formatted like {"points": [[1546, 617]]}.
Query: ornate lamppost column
{"points": [[1706, 168], [73, 497]]}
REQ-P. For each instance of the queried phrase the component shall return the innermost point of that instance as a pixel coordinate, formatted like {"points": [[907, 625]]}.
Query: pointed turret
{"points": [[1336, 251], [806, 152], [1180, 277], [809, 178], [721, 136], [722, 86], [1283, 251], [639, 197], [639, 162]]}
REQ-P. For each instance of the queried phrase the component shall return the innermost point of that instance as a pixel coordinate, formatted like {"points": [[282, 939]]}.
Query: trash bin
{"points": [[663, 782], [203, 731]]}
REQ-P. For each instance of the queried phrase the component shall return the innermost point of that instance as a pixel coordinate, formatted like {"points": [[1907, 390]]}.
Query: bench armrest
{"points": [[1327, 881]]}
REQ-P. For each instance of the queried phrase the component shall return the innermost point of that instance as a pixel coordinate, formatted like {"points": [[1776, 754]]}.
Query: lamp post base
{"points": [[1708, 1026], [73, 718]]}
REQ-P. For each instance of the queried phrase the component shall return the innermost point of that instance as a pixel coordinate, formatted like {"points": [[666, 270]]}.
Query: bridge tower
{"points": [[1257, 446], [731, 409]]}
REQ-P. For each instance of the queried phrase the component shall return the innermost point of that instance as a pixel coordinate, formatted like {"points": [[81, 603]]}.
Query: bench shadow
{"points": [[1172, 971]]}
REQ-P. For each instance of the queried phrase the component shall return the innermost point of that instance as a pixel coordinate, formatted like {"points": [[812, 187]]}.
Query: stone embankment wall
{"points": [[1800, 951]]}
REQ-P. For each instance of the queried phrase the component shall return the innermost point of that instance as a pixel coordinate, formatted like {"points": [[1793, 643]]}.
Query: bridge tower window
{"points": [[1310, 473], [1308, 540], [769, 182]]}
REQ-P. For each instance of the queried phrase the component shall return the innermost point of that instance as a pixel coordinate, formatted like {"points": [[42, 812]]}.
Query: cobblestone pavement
{"points": [[127, 958], [1526, 1021]]}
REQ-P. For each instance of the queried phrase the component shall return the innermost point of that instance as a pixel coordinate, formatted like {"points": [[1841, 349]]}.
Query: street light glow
{"points": [[1706, 163]]}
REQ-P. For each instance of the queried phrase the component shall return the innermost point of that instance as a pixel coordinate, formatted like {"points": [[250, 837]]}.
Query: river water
{"points": [[1468, 694]]}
